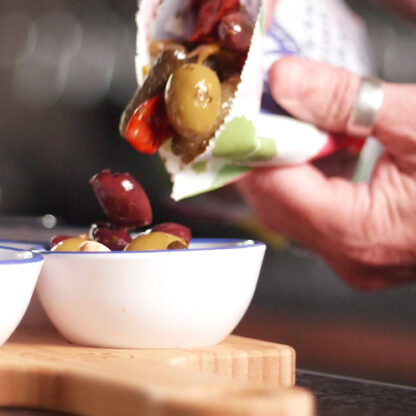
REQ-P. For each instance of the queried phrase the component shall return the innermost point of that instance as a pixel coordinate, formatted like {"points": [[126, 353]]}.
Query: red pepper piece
{"points": [[149, 126], [210, 14]]}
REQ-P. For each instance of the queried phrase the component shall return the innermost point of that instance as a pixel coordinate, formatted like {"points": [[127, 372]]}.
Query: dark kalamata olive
{"points": [[229, 62], [122, 198], [175, 229], [235, 31], [57, 239], [193, 99], [116, 239], [154, 84]]}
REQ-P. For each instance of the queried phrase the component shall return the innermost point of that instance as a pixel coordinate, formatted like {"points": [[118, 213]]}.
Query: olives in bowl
{"points": [[182, 96], [128, 211]]}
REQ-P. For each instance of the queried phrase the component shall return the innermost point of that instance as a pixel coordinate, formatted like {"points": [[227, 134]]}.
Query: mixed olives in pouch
{"points": [[199, 73]]}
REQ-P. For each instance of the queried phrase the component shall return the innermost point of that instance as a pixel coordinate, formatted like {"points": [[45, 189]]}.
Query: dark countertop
{"points": [[336, 396], [341, 396]]}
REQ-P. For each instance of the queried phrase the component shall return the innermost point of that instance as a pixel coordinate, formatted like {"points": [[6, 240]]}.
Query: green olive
{"points": [[190, 149], [193, 100], [70, 244], [156, 240]]}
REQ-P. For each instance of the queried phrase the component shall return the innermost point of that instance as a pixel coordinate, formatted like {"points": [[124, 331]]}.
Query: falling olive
{"points": [[122, 198], [156, 240], [193, 100]]}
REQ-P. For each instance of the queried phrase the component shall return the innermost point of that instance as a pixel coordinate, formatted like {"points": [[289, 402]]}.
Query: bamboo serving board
{"points": [[241, 376]]}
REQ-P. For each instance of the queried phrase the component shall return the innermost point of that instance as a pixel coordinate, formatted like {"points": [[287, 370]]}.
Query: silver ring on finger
{"points": [[367, 104]]}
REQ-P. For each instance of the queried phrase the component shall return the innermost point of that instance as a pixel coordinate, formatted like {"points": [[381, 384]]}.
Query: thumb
{"points": [[324, 96]]}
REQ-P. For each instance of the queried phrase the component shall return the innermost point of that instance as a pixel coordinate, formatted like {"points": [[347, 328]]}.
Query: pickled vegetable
{"points": [[154, 84], [193, 98], [157, 47], [149, 126], [204, 51]]}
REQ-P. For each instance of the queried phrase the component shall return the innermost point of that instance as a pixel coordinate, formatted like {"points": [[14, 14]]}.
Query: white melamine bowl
{"points": [[154, 299], [19, 271]]}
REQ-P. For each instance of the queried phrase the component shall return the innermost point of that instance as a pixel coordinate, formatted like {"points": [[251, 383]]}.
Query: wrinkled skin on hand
{"points": [[365, 232]]}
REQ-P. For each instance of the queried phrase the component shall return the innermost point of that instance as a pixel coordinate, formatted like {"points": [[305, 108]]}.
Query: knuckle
{"points": [[336, 109]]}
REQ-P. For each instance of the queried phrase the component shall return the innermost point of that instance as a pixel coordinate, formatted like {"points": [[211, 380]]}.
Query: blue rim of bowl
{"points": [[35, 256], [234, 243]]}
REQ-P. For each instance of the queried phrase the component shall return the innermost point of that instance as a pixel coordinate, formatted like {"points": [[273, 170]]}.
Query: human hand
{"points": [[365, 232]]}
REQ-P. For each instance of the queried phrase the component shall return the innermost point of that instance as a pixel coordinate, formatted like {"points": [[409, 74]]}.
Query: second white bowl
{"points": [[19, 271]]}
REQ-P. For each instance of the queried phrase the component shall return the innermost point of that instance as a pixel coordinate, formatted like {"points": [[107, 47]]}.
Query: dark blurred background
{"points": [[67, 70]]}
